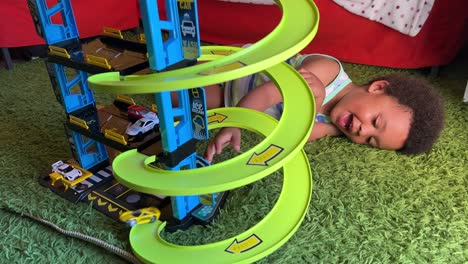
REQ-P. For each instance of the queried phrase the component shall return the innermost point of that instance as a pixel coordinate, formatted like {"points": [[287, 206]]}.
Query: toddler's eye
{"points": [[376, 120]]}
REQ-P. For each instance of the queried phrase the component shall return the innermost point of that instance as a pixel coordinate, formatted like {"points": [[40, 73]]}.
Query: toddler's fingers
{"points": [[305, 73], [235, 141], [209, 152], [219, 145]]}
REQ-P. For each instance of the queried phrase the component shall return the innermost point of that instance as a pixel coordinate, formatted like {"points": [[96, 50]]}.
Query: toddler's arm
{"points": [[316, 72], [321, 130], [260, 99]]}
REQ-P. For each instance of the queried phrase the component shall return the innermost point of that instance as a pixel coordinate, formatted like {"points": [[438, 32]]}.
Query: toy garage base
{"points": [[111, 198]]}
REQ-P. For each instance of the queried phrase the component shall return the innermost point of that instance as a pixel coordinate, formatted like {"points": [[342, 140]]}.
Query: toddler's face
{"points": [[372, 118]]}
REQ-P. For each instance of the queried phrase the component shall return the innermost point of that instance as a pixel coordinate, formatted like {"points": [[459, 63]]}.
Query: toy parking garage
{"points": [[155, 179], [97, 133]]}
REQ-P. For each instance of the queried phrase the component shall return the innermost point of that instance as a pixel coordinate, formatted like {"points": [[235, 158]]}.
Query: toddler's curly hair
{"points": [[426, 107]]}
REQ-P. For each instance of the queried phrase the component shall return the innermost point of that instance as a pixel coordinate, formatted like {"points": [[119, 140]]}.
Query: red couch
{"points": [[341, 34]]}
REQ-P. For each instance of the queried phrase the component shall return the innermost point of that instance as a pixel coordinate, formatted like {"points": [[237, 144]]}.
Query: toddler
{"points": [[395, 112]]}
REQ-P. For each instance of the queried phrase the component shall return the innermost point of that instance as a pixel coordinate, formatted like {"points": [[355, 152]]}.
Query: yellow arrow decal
{"points": [[101, 203], [247, 244], [216, 118], [263, 157], [91, 198], [223, 68], [222, 52], [112, 209]]}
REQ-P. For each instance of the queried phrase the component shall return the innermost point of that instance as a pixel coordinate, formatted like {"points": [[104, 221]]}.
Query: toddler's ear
{"points": [[379, 86]]}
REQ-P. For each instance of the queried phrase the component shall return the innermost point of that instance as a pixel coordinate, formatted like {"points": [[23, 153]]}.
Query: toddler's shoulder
{"points": [[312, 60], [326, 68]]}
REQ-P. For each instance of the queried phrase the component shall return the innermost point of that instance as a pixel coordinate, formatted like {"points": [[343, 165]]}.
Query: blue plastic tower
{"points": [[87, 152], [183, 44]]}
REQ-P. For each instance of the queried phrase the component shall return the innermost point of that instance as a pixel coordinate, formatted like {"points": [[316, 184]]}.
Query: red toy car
{"points": [[135, 112]]}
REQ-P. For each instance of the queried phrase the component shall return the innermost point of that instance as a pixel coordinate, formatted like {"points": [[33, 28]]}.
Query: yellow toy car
{"points": [[140, 216]]}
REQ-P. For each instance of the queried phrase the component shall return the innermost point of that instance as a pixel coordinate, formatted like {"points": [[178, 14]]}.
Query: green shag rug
{"points": [[368, 205]]}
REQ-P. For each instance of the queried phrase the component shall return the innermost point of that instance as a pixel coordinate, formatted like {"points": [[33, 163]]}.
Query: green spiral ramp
{"points": [[282, 146]]}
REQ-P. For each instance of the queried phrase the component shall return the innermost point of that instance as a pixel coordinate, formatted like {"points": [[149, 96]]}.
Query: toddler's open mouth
{"points": [[346, 121]]}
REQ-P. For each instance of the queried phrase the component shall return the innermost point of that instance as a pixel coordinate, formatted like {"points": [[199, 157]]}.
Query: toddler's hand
{"points": [[315, 85], [227, 136]]}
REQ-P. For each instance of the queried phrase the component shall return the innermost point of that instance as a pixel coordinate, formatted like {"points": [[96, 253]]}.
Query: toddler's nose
{"points": [[364, 130]]}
